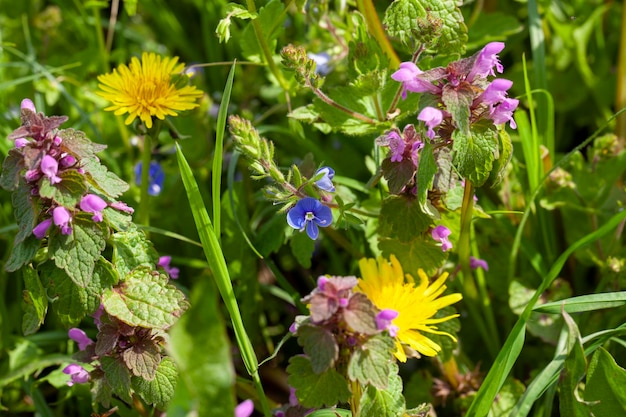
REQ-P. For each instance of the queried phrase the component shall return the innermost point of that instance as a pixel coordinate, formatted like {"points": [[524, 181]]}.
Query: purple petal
{"points": [[244, 409], [42, 228], [440, 232], [79, 337], [27, 104], [49, 166], [61, 216], [486, 61], [478, 263], [496, 91]]}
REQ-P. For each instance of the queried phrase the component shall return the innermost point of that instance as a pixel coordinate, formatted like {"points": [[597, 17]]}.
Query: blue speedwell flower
{"points": [[326, 182], [308, 214], [157, 176]]}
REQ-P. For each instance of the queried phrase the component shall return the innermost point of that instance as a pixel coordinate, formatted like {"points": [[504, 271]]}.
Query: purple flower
{"points": [[21, 142], [164, 262], [244, 409], [49, 166], [397, 146], [79, 337], [432, 118], [486, 61], [325, 183], [121, 206], [156, 177], [478, 263], [78, 373], [27, 104], [308, 214], [62, 218], [91, 203], [42, 228], [503, 112], [496, 91], [384, 321], [408, 75], [67, 161], [440, 234]]}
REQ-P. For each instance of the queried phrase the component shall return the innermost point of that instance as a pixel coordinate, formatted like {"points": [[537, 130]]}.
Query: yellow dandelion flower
{"points": [[145, 89], [388, 288]]}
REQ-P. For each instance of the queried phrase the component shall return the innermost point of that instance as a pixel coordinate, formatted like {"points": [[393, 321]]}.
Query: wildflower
{"points": [[384, 321], [21, 142], [486, 61], [478, 263], [156, 177], [441, 233], [42, 228], [408, 75], [325, 183], [308, 214], [145, 89], [386, 285], [79, 337], [432, 118], [78, 373], [91, 203], [27, 104], [496, 91], [67, 161], [62, 218], [244, 409], [164, 262], [503, 112], [121, 206], [49, 166]]}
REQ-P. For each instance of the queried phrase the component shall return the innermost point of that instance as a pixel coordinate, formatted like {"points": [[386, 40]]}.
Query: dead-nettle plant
{"points": [[68, 213]]}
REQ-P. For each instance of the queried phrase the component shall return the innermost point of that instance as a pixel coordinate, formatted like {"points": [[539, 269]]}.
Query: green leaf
{"points": [[270, 236], [420, 252], [490, 27], [130, 6], [145, 299], [201, 349], [302, 247], [160, 390], [372, 363], [35, 301], [77, 253], [22, 253], [584, 303], [570, 401], [474, 154], [316, 390], [320, 345], [76, 143], [73, 302], [118, 377], [511, 391], [505, 154], [401, 20], [402, 218], [131, 249], [11, 169], [606, 385], [66, 193], [332, 412], [102, 179], [426, 170], [271, 19], [26, 210], [387, 402]]}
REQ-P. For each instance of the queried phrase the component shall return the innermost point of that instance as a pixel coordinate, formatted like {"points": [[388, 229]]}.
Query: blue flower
{"points": [[325, 183], [157, 176], [308, 214]]}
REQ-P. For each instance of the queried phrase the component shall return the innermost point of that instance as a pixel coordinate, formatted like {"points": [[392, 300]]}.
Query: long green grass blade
{"points": [[584, 303], [218, 157], [215, 258], [508, 354]]}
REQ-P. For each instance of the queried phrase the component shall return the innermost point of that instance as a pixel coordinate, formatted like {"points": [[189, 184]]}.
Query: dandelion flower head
{"points": [[416, 303], [145, 89]]}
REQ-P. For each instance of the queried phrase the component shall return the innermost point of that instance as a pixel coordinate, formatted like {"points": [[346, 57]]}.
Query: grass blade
{"points": [[584, 303]]}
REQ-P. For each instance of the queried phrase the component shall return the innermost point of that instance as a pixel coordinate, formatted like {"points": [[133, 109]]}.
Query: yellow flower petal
{"points": [[145, 89], [386, 285]]}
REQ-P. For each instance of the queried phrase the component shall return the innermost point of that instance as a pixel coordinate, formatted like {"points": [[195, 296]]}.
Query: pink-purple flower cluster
{"points": [[466, 77], [45, 158]]}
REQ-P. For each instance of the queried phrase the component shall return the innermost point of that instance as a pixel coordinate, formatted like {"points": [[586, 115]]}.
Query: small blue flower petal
{"points": [[323, 216], [157, 177], [325, 183], [312, 230], [308, 214]]}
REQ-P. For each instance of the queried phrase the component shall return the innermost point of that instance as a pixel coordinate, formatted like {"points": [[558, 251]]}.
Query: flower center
{"points": [[309, 216]]}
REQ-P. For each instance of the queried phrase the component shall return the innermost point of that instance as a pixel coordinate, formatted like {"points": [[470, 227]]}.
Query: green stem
{"points": [[104, 57], [319, 93], [366, 7], [144, 196], [470, 291], [269, 58], [620, 91]]}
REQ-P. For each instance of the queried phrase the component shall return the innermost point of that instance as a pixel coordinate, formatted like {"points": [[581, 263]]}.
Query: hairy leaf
{"points": [[131, 249], [66, 193], [118, 377], [160, 390], [474, 154], [372, 363], [387, 402], [316, 390], [320, 345], [402, 218], [35, 301]]}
